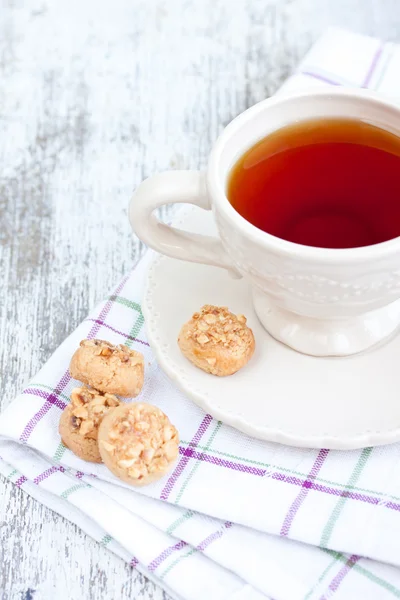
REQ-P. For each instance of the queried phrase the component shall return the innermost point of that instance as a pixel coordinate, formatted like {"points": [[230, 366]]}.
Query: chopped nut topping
{"points": [[127, 462], [106, 351], [223, 329], [210, 318], [121, 353], [147, 445], [88, 408], [86, 427], [75, 422], [202, 325], [81, 412], [108, 447]]}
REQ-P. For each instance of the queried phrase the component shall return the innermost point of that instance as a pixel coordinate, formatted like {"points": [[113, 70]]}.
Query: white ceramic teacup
{"points": [[324, 302]]}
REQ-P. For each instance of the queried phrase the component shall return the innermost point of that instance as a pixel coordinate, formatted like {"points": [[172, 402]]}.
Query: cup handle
{"points": [[169, 188]]}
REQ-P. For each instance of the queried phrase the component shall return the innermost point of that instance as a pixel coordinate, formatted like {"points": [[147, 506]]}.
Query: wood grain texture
{"points": [[95, 96]]}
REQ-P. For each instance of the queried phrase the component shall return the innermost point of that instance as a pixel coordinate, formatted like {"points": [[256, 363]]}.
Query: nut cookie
{"points": [[79, 422], [138, 443], [108, 368], [217, 341], [85, 448]]}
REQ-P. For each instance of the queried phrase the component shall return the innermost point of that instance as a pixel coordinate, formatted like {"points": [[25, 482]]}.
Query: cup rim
{"points": [[268, 240]]}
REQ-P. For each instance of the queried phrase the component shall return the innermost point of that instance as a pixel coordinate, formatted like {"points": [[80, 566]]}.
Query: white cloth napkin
{"points": [[237, 518]]}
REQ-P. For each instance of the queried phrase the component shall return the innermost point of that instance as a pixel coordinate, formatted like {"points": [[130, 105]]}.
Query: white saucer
{"points": [[281, 395]]}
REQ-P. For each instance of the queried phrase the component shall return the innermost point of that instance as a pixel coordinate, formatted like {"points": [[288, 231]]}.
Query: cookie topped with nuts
{"points": [[79, 422], [138, 443], [88, 407], [108, 368], [217, 341]]}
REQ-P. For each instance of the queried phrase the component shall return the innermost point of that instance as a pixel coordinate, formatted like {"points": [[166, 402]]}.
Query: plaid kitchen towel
{"points": [[237, 518]]}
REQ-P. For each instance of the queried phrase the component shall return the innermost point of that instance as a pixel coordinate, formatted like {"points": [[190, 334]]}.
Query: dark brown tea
{"points": [[326, 183]]}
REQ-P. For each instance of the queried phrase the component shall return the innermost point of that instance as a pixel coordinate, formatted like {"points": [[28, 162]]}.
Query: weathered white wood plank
{"points": [[95, 96]]}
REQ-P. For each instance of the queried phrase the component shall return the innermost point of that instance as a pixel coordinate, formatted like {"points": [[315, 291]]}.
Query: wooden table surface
{"points": [[95, 95]]}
